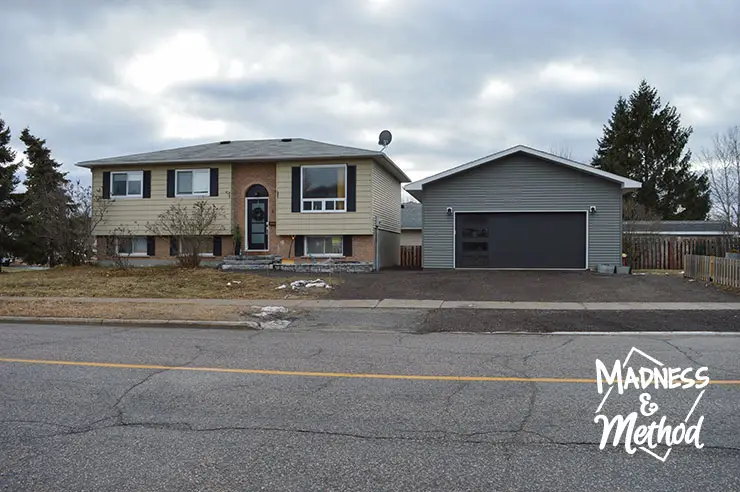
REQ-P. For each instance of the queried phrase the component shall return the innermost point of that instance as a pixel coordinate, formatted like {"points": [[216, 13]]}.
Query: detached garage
{"points": [[522, 209]]}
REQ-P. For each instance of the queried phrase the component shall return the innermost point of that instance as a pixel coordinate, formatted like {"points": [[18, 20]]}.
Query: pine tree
{"points": [[10, 209], [46, 204], [645, 141]]}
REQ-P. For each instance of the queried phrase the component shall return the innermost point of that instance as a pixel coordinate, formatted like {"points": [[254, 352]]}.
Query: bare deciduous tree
{"points": [[85, 209], [722, 161], [192, 227], [113, 244], [563, 151]]}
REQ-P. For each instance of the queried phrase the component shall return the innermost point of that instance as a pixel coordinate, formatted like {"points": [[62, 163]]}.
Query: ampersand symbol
{"points": [[647, 408]]}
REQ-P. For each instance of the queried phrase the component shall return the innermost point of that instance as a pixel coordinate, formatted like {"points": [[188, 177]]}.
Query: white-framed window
{"points": [[193, 182], [204, 243], [131, 246], [325, 246], [126, 184], [324, 188]]}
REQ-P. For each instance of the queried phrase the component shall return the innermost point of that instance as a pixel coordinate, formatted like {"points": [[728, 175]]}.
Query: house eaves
{"points": [[626, 183], [251, 151]]}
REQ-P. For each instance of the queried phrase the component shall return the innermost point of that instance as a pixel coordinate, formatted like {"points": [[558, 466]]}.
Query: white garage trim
{"points": [[454, 235], [626, 183]]}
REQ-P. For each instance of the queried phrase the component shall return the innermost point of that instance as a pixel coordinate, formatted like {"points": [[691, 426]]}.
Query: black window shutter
{"points": [[173, 246], [214, 182], [170, 183], [351, 188], [106, 184], [216, 245], [150, 245], [147, 186], [298, 246], [295, 192], [347, 246]]}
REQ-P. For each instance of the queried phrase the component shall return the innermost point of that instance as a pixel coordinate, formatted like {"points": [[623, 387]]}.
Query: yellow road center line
{"points": [[270, 372]]}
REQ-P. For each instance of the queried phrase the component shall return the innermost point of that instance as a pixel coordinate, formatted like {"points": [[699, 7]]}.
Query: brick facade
{"points": [[244, 176], [161, 249]]}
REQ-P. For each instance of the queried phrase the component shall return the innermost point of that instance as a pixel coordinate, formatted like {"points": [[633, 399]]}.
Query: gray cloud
{"points": [[453, 81]]}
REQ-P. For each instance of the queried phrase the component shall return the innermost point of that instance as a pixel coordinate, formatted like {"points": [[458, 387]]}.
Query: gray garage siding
{"points": [[522, 182]]}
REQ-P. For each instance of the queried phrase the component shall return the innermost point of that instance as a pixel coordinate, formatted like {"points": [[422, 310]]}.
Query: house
{"points": [[680, 228], [411, 224], [521, 208], [292, 197]]}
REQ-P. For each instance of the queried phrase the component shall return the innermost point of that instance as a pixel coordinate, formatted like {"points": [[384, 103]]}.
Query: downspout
{"points": [[376, 242]]}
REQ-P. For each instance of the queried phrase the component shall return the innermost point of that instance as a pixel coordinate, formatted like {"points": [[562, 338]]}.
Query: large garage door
{"points": [[554, 240]]}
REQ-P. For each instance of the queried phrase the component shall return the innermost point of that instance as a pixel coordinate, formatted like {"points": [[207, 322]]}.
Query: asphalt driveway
{"points": [[499, 285]]}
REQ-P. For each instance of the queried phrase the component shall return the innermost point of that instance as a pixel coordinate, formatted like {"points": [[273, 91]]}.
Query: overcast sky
{"points": [[453, 80]]}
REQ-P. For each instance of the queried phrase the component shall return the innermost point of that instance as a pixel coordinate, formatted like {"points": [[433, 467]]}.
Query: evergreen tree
{"points": [[46, 204], [10, 209], [645, 141]]}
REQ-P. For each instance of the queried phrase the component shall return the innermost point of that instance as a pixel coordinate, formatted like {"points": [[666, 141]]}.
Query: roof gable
{"points": [[626, 183]]}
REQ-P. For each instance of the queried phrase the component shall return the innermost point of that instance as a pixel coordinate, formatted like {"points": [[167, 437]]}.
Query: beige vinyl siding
{"points": [[339, 223], [386, 199], [411, 237], [135, 213]]}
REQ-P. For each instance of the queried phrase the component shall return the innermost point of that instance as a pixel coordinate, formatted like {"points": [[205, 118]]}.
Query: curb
{"points": [[144, 323]]}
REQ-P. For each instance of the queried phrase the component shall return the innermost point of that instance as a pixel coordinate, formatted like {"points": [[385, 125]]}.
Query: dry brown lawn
{"points": [[122, 310], [156, 282]]}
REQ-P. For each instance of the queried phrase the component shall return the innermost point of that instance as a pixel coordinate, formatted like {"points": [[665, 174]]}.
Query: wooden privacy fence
{"points": [[410, 256], [722, 271], [646, 252]]}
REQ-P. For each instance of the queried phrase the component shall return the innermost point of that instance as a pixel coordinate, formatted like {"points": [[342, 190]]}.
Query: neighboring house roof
{"points": [[292, 149], [680, 227], [627, 184], [410, 216]]}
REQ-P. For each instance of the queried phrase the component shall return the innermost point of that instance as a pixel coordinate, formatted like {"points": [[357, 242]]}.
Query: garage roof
{"points": [[627, 184]]}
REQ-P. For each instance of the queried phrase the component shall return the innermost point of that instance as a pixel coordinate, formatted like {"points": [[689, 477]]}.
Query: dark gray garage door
{"points": [[521, 240]]}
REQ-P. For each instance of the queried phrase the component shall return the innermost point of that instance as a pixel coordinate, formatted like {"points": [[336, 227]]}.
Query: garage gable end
{"points": [[510, 186], [626, 183]]}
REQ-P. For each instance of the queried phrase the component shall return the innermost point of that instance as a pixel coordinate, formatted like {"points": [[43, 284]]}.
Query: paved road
{"points": [[302, 424]]}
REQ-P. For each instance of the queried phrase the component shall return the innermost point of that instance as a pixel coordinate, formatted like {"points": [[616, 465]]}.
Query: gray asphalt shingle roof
{"points": [[411, 215], [250, 150]]}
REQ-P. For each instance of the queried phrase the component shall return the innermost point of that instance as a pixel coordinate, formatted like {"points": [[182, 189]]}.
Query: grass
{"points": [[156, 282], [119, 310]]}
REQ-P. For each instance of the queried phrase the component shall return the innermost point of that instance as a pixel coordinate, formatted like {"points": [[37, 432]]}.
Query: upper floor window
{"points": [[193, 182], [126, 184], [324, 188]]}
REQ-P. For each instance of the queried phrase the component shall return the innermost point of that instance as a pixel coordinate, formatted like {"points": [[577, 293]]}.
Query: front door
{"points": [[257, 224]]}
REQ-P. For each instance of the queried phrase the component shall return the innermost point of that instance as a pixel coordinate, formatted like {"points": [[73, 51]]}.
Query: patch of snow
{"points": [[306, 284], [275, 324], [267, 311], [298, 284]]}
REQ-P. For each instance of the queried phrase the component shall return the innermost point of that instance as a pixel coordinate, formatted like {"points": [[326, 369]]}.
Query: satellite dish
{"points": [[385, 138]]}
